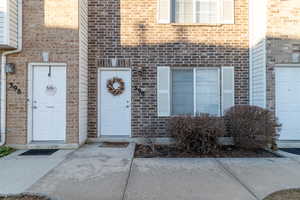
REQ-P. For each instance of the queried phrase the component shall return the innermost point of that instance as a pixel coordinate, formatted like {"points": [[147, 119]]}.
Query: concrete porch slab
{"points": [[177, 179], [90, 173], [264, 176], [18, 173]]}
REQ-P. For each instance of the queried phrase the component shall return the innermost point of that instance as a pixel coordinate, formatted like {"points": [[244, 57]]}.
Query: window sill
{"points": [[194, 24]]}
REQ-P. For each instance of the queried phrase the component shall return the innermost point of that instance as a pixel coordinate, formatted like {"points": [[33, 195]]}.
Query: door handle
{"points": [[50, 106], [127, 106], [34, 107]]}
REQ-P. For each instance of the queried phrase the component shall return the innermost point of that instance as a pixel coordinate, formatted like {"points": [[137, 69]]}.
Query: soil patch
{"points": [[170, 151], [114, 144], [25, 197], [285, 195]]}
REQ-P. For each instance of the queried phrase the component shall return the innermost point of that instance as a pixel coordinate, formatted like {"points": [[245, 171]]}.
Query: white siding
{"points": [[258, 26], [83, 69], [8, 23]]}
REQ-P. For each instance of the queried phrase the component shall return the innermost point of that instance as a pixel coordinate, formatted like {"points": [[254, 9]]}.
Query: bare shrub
{"points": [[197, 134], [251, 127]]}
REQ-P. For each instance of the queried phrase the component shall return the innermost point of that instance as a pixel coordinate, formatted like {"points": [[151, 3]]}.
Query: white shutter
{"points": [[228, 11], [164, 11], [227, 88], [163, 91]]}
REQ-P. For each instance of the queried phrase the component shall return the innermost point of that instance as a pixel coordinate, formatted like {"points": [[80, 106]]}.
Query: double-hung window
{"points": [[194, 91], [196, 11]]}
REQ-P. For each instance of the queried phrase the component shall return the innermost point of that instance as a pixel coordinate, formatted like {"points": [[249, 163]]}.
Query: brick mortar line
{"points": [[235, 177]]}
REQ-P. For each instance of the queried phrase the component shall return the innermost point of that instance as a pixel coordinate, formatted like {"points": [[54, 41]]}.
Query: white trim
{"points": [[286, 65], [114, 69], [195, 90], [99, 97], [30, 96]]}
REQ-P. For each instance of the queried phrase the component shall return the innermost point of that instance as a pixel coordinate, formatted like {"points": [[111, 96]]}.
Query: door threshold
{"points": [[46, 145], [288, 143], [112, 139]]}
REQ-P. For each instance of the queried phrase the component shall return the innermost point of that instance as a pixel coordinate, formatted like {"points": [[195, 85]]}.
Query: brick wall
{"points": [[283, 39], [128, 30], [48, 26]]}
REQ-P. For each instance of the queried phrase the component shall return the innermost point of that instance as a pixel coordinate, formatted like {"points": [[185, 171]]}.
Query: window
{"points": [[196, 11], [182, 91], [195, 91], [191, 91]]}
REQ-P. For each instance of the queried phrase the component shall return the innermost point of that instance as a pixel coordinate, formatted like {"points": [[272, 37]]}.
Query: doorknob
{"points": [[127, 106], [34, 107]]}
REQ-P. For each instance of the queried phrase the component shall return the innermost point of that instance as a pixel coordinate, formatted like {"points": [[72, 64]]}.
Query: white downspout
{"points": [[3, 74]]}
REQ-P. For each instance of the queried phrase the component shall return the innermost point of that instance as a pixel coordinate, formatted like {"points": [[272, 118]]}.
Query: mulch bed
{"points": [[114, 144], [169, 151], [24, 197], [285, 195]]}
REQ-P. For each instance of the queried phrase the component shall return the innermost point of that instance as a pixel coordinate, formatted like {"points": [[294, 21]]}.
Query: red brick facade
{"points": [[48, 26], [128, 30]]}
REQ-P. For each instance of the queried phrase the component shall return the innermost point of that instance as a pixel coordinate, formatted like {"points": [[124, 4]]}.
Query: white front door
{"points": [[48, 103], [114, 117], [288, 102]]}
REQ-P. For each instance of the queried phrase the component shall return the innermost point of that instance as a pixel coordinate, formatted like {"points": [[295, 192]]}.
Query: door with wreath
{"points": [[114, 103]]}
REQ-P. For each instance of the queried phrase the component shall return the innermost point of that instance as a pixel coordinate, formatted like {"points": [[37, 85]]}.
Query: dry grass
{"points": [[285, 195]]}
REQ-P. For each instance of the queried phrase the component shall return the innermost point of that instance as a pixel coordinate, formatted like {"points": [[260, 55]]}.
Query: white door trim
{"points": [[30, 95], [99, 96]]}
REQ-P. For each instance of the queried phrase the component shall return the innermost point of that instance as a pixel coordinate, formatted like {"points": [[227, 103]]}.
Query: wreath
{"points": [[111, 86]]}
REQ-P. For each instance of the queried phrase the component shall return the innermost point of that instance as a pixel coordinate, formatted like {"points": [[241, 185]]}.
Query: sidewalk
{"points": [[18, 173], [90, 173], [94, 173]]}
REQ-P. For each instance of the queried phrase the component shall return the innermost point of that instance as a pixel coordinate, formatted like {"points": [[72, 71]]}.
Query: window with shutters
{"points": [[196, 11]]}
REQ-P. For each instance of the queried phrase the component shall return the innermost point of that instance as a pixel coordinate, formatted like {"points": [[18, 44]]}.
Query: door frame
{"points": [[100, 69], [30, 96], [281, 66]]}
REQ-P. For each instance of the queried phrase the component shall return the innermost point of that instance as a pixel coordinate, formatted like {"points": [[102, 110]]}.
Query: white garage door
{"points": [[288, 102]]}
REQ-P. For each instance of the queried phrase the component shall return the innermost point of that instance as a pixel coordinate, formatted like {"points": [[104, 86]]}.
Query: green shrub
{"points": [[4, 151], [251, 127], [197, 134]]}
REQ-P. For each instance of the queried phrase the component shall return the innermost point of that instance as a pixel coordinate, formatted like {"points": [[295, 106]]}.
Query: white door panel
{"points": [[49, 103], [115, 111], [288, 102]]}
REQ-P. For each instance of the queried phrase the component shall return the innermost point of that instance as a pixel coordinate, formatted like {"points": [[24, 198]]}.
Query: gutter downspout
{"points": [[3, 74]]}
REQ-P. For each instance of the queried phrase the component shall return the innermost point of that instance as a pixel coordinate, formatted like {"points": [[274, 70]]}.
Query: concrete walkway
{"points": [[90, 173], [18, 173], [211, 179], [93, 173]]}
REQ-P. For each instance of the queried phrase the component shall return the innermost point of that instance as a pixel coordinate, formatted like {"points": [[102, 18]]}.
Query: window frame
{"points": [[195, 69], [174, 13]]}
